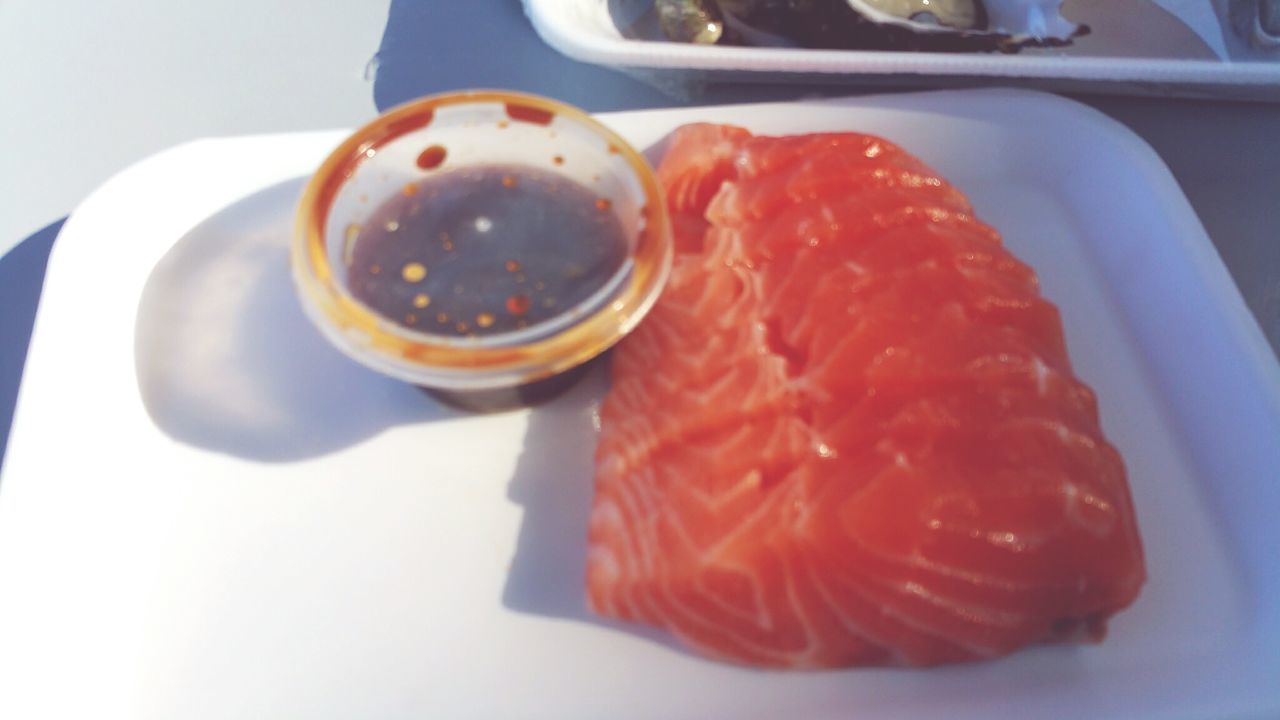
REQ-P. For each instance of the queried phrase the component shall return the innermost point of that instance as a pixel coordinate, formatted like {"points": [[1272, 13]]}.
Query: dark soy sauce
{"points": [[485, 250]]}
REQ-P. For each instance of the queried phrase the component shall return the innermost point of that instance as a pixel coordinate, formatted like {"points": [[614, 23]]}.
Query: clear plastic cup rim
{"points": [[561, 343]]}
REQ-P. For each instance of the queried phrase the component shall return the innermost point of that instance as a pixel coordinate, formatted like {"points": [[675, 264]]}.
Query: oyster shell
{"points": [[1019, 20], [947, 25], [955, 14], [695, 21]]}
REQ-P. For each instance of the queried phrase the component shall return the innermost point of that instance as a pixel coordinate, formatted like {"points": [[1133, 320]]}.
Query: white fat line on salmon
{"points": [[914, 179], [635, 520], [1055, 428], [632, 394], [1019, 542], [602, 561], [809, 228], [900, 461], [684, 190], [999, 539], [852, 337], [602, 557], [991, 582], [758, 614], [974, 274], [801, 519], [687, 431], [981, 619], [855, 268], [1064, 433], [646, 489], [1029, 367], [813, 645], [712, 294], [929, 263], [684, 187], [747, 524], [722, 247], [1014, 542], [638, 543], [749, 483], [918, 562], [680, 611], [637, 598], [796, 329], [855, 628], [686, 271], [829, 216], [1104, 519], [638, 435], [642, 486], [669, 335], [967, 612], [743, 303], [627, 454], [606, 519], [884, 601], [716, 625], [643, 436], [1076, 499], [714, 349], [726, 384], [602, 604], [665, 381], [812, 394]]}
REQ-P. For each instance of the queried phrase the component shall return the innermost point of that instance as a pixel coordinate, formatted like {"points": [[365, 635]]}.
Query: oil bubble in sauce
{"points": [[497, 248]]}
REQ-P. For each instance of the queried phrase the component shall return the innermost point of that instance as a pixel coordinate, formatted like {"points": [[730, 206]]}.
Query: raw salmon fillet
{"points": [[849, 432]]}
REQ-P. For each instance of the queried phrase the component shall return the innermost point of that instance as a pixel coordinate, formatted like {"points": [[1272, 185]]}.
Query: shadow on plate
{"points": [[553, 484], [226, 360]]}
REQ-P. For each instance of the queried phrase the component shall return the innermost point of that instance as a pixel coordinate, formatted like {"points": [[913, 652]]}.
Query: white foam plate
{"points": [[206, 512], [1137, 46]]}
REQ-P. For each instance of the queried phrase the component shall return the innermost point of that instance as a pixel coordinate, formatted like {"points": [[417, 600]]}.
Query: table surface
{"points": [[91, 88]]}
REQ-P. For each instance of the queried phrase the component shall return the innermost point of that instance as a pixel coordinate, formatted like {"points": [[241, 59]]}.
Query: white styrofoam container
{"points": [[207, 512], [586, 30]]}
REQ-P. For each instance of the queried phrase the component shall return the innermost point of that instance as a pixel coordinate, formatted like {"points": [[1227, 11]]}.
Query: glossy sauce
{"points": [[484, 250]]}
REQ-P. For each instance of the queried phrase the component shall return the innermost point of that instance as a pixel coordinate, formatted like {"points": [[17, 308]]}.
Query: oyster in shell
{"points": [[946, 25], [1019, 21], [695, 21]]}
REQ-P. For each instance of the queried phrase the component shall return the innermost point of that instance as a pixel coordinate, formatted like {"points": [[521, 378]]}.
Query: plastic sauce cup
{"points": [[482, 245]]}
